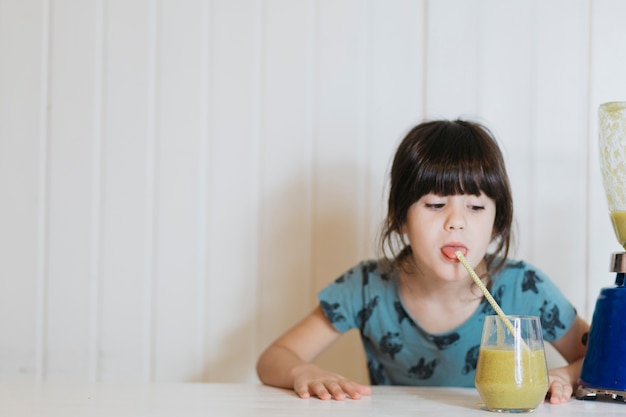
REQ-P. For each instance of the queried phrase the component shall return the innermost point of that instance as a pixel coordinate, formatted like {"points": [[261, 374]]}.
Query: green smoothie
{"points": [[505, 382], [618, 218]]}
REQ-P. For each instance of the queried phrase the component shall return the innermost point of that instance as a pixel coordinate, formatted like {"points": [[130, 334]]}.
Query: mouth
{"points": [[449, 250]]}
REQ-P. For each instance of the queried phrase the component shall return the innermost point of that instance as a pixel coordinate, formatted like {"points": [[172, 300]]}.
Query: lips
{"points": [[449, 250]]}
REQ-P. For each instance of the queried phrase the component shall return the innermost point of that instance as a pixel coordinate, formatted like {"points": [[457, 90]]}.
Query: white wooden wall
{"points": [[178, 178]]}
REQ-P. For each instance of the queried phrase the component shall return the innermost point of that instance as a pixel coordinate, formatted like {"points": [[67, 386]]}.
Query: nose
{"points": [[455, 219]]}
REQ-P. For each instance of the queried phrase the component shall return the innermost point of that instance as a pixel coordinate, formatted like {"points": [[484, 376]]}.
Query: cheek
{"points": [[491, 225]]}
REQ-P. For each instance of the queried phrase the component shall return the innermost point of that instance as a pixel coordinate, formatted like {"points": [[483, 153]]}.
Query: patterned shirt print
{"points": [[400, 352]]}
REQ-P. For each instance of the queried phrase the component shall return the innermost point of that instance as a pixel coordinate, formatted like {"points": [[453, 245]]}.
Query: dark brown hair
{"points": [[448, 158]]}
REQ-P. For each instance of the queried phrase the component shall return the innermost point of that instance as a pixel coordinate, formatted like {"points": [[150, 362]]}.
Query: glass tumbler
{"points": [[511, 372]]}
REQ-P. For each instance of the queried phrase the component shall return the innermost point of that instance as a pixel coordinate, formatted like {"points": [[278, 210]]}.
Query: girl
{"points": [[418, 311]]}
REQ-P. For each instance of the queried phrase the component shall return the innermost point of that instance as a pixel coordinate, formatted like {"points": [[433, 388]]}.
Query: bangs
{"points": [[452, 177], [456, 163]]}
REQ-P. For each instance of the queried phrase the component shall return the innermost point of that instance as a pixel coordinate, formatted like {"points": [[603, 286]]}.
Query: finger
{"points": [[319, 389], [336, 391], [302, 391], [555, 393], [558, 393], [354, 390], [567, 391], [557, 399]]}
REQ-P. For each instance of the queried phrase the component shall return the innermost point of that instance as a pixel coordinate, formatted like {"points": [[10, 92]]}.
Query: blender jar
{"points": [[612, 141]]}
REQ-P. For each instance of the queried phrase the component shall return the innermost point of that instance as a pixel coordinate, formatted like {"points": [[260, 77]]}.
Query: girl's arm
{"points": [[564, 380], [286, 363]]}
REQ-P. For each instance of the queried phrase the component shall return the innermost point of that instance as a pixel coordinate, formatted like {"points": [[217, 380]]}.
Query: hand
{"points": [[311, 380], [560, 389]]}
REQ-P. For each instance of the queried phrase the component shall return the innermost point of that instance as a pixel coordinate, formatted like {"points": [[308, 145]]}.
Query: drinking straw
{"points": [[485, 291]]}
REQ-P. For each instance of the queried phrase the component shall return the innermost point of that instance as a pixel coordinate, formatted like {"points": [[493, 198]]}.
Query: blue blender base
{"points": [[604, 366]]}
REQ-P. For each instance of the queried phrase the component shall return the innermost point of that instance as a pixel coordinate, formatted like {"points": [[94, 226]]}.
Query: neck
{"points": [[420, 284]]}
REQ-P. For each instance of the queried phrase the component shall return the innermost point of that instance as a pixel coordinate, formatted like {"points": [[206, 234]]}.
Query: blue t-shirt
{"points": [[400, 352]]}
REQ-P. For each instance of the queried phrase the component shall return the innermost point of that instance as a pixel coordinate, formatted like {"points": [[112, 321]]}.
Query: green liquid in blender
{"points": [[619, 225]]}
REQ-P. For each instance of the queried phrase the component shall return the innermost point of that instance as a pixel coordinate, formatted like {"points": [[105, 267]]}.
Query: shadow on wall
{"points": [[232, 363], [339, 221], [307, 239]]}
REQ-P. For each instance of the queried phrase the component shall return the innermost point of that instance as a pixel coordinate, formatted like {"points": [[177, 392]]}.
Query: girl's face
{"points": [[437, 226]]}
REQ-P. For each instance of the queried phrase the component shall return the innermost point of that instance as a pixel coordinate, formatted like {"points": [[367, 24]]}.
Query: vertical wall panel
{"points": [[20, 169], [124, 327], [95, 276], [559, 109], [451, 64], [286, 162], [70, 215], [395, 97], [339, 150], [179, 124], [233, 182]]}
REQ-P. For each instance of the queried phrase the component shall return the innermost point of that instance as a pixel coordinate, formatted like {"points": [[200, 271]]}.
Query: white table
{"points": [[226, 400]]}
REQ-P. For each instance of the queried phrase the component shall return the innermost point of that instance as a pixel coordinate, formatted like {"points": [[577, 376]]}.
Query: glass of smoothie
{"points": [[511, 373]]}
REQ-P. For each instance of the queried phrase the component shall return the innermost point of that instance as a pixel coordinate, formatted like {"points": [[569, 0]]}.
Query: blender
{"points": [[604, 366]]}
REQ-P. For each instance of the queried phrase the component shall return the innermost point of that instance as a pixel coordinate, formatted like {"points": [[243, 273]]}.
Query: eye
{"points": [[434, 206], [476, 208]]}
